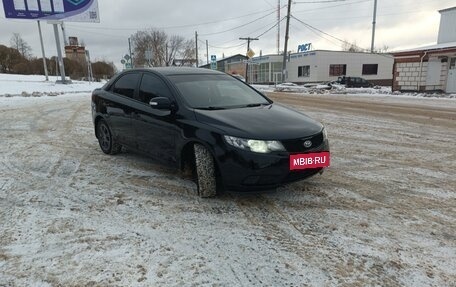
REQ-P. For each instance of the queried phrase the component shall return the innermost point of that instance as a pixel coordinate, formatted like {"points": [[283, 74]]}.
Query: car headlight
{"points": [[258, 146]]}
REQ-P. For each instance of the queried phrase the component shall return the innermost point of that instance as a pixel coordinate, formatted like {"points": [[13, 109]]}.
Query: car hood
{"points": [[272, 122]]}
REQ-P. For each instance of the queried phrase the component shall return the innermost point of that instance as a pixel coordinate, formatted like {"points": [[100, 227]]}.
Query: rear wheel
{"points": [[105, 139], [205, 171]]}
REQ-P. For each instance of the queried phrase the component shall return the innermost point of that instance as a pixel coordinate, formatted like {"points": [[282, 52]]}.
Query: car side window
{"points": [[126, 85], [152, 87]]}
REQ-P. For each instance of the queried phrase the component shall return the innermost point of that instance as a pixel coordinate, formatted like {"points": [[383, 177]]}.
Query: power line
{"points": [[178, 26], [321, 36], [240, 26], [313, 28], [317, 2], [240, 45], [275, 25], [332, 6], [342, 41]]}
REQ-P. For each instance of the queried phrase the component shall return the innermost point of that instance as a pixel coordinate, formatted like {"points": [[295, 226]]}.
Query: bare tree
{"points": [[20, 45], [149, 40], [173, 47], [351, 47], [165, 49], [382, 50]]}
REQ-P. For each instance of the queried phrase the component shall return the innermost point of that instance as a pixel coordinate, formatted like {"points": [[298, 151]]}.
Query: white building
{"points": [[430, 68], [323, 66]]}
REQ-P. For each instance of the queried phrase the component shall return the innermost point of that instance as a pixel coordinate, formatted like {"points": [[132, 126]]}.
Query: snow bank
{"points": [[342, 90], [37, 86]]}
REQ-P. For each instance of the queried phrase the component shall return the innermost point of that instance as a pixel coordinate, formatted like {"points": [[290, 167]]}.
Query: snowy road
{"points": [[383, 214]]}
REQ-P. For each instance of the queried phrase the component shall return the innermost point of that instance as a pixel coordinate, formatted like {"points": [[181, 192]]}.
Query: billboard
{"points": [[55, 10]]}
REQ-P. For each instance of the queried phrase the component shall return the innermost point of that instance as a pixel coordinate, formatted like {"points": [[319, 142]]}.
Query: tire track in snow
{"points": [[310, 246]]}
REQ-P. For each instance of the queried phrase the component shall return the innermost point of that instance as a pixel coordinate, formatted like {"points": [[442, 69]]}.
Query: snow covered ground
{"points": [[384, 214]]}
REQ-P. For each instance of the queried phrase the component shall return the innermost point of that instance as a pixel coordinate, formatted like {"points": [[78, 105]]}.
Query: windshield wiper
{"points": [[210, 108], [256, 105]]}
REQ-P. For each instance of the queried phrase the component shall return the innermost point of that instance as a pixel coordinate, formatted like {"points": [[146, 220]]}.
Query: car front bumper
{"points": [[247, 171]]}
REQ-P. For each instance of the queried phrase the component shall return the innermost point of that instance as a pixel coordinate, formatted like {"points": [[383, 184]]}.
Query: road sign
{"points": [[60, 10], [250, 53], [213, 62]]}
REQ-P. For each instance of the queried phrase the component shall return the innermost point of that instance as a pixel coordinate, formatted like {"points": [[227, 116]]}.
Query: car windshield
{"points": [[213, 92]]}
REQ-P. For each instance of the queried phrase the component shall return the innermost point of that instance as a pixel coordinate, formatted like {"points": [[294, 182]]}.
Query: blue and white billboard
{"points": [[55, 10]]}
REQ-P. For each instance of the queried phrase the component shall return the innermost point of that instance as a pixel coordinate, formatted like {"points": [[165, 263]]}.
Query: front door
{"points": [[451, 82], [156, 130]]}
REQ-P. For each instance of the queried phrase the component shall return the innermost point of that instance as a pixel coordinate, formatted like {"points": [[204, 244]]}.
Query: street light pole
{"points": [[373, 26], [285, 50], [248, 39]]}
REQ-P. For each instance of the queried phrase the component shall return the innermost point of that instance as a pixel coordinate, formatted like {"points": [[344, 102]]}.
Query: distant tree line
{"points": [[18, 59]]}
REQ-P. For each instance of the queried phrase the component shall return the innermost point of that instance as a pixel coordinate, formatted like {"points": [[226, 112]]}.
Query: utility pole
{"points": [[278, 27], [248, 49], [373, 26], [285, 50], [207, 52], [196, 51], [129, 49]]}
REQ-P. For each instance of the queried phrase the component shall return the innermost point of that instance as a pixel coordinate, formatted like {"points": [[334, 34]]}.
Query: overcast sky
{"points": [[400, 24]]}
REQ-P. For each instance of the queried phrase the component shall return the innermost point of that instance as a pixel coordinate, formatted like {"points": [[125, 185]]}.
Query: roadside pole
{"points": [[59, 54], [42, 51], [248, 39], [129, 49], [285, 52]]}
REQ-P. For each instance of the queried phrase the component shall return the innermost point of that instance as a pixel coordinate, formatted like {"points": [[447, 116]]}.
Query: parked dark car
{"points": [[224, 131], [355, 82]]}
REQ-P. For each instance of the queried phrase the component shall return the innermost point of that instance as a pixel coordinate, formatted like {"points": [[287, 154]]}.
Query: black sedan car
{"points": [[226, 133]]}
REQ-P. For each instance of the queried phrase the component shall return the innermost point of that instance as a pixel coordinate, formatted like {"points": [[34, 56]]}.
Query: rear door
{"points": [[156, 131], [119, 107]]}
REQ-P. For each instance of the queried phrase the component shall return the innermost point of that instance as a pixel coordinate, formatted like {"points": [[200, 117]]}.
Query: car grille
{"points": [[297, 145]]}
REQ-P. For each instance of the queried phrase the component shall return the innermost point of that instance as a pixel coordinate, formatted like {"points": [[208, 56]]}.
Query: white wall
{"points": [[447, 30], [433, 73], [319, 62]]}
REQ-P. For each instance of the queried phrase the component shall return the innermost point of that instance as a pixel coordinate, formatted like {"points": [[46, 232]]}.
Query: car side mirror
{"points": [[162, 103]]}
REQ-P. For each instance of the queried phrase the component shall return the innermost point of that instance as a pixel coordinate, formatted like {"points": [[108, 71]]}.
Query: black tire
{"points": [[105, 139], [205, 172]]}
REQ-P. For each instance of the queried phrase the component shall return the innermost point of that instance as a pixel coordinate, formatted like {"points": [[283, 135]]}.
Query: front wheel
{"points": [[205, 171], [105, 139]]}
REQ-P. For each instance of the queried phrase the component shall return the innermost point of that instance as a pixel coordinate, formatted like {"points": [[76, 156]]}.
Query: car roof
{"points": [[168, 71]]}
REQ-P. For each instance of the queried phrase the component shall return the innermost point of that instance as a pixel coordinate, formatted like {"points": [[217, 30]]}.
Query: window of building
{"points": [[453, 63], [126, 85], [304, 71], [337, 70], [370, 69]]}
